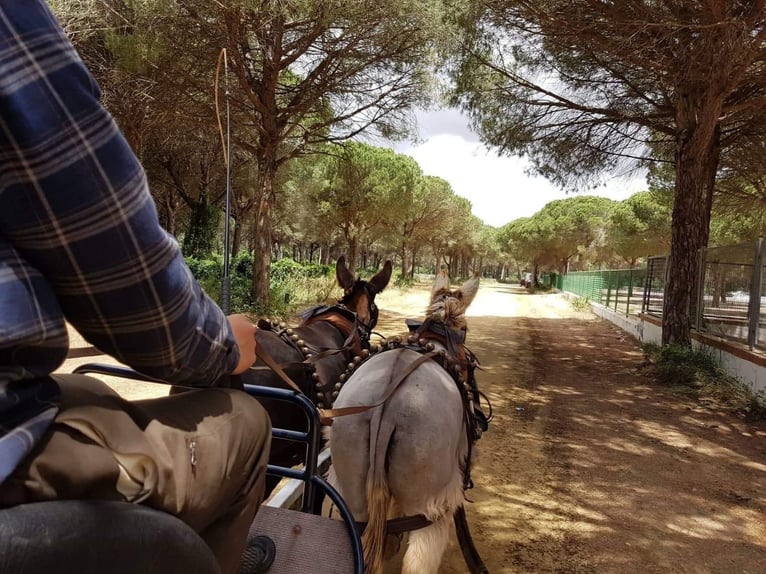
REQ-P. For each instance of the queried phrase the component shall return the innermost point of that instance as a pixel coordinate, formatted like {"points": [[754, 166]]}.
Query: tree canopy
{"points": [[639, 226], [583, 87]]}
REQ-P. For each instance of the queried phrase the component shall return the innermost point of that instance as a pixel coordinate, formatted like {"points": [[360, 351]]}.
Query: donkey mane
{"points": [[447, 308], [448, 305], [411, 453]]}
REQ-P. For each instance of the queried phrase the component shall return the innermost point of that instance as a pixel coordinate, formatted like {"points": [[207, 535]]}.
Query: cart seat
{"points": [[94, 537]]}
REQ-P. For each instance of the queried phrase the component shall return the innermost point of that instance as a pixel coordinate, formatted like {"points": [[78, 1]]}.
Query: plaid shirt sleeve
{"points": [[79, 234]]}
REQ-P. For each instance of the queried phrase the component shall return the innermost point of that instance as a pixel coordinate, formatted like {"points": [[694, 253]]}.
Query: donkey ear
{"points": [[344, 277], [441, 281], [382, 277], [469, 290]]}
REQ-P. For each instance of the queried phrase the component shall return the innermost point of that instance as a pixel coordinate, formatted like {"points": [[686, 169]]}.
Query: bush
{"points": [[403, 281], [241, 282], [292, 285], [208, 273], [682, 367], [581, 304], [286, 269]]}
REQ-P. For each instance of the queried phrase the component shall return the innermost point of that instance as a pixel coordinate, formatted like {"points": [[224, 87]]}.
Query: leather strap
{"points": [[402, 524], [327, 415], [274, 366], [470, 554]]}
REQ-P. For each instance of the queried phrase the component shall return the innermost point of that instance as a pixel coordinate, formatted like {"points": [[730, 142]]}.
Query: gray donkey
{"points": [[407, 455]]}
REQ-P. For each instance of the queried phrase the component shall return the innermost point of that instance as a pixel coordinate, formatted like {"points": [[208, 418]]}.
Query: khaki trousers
{"points": [[199, 455]]}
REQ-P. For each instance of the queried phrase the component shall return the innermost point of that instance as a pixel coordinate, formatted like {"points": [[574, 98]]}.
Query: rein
{"points": [[347, 323], [460, 363], [354, 340], [327, 415]]}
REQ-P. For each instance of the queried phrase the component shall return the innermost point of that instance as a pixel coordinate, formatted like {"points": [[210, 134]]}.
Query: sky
{"points": [[497, 187]]}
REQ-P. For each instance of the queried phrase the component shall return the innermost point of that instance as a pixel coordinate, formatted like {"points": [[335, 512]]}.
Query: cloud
{"points": [[497, 187], [444, 122]]}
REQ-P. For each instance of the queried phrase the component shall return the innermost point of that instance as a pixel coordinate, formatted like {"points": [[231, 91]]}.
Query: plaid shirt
{"points": [[80, 240]]}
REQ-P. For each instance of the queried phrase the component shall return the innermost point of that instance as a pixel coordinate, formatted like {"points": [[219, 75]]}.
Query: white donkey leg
{"points": [[426, 547]]}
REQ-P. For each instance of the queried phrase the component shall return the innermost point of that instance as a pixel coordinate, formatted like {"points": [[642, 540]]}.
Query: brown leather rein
{"points": [[405, 523], [326, 416]]}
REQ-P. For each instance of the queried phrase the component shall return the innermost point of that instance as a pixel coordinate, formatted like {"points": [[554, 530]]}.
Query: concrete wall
{"points": [[737, 360]]}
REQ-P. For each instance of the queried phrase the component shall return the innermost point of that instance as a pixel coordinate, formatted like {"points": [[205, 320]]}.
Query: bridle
{"points": [[355, 348], [365, 329]]}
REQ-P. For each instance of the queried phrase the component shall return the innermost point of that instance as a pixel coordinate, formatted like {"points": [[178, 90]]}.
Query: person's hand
{"points": [[244, 334]]}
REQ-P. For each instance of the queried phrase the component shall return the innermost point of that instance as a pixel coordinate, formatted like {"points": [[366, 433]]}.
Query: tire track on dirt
{"points": [[603, 470]]}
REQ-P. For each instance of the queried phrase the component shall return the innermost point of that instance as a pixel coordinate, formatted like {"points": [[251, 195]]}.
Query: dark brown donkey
{"points": [[315, 355]]}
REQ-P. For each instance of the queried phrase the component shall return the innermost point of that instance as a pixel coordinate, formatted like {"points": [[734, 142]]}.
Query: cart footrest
{"points": [[305, 542]]}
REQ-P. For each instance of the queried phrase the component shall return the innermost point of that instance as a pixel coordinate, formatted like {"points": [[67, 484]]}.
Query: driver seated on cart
{"points": [[80, 243]]}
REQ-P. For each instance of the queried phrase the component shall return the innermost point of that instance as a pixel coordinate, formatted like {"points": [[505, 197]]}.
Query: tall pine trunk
{"points": [[697, 156], [236, 236], [413, 263], [262, 232], [199, 240], [403, 254], [353, 252]]}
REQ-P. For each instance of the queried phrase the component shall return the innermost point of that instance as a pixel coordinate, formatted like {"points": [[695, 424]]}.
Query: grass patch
{"points": [[297, 293], [403, 281], [694, 373], [581, 304], [292, 286]]}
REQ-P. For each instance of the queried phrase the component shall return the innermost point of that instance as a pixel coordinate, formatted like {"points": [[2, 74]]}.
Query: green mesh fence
{"points": [[618, 289]]}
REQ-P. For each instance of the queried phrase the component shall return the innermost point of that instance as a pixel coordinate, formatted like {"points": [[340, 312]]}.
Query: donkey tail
{"points": [[378, 494]]}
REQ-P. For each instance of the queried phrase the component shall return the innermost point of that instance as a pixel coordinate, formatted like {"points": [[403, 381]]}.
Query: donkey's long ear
{"points": [[469, 290], [381, 278], [343, 275], [441, 281]]}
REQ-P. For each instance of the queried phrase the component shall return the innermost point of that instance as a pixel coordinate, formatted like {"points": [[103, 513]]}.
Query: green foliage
{"points": [[200, 237], [640, 226], [293, 285], [681, 365], [732, 224], [364, 187], [693, 371], [403, 281], [209, 274], [286, 269], [581, 304], [557, 233], [206, 270]]}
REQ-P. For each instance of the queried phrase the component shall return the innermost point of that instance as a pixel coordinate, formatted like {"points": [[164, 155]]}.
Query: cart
{"points": [[89, 537]]}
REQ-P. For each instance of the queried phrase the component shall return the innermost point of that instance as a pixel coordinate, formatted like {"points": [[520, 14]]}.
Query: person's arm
{"points": [[76, 206]]}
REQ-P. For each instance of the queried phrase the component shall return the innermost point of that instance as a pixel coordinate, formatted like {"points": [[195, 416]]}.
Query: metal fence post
{"points": [[754, 307], [630, 292], [617, 290], [647, 284], [701, 271], [759, 285], [608, 288]]}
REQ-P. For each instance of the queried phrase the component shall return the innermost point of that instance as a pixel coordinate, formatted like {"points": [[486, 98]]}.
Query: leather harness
{"points": [[456, 359], [460, 363]]}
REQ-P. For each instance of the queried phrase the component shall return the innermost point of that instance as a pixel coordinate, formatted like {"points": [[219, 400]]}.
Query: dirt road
{"points": [[588, 465], [591, 467]]}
